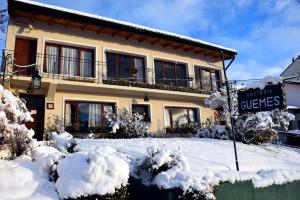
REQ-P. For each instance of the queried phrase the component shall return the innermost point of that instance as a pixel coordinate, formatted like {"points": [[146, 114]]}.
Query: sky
{"points": [[266, 33]]}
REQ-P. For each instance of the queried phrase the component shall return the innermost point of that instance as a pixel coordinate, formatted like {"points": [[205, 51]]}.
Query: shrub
{"points": [[126, 124], [14, 136]]}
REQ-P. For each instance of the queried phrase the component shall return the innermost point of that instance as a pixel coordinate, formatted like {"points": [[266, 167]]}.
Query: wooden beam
{"points": [[199, 51], [143, 39], [32, 18], [189, 48], [100, 30], [178, 46], [51, 21], [208, 53], [130, 35], [84, 27], [167, 44], [115, 33], [67, 23], [155, 41]]}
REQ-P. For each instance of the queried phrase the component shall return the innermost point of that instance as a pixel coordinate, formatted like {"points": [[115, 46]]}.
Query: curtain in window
{"points": [[214, 81], [68, 118], [206, 82], [139, 65], [94, 115], [86, 65], [69, 61], [167, 117], [52, 59]]}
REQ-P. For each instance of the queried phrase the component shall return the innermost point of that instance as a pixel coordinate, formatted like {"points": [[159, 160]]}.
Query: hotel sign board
{"points": [[256, 100]]}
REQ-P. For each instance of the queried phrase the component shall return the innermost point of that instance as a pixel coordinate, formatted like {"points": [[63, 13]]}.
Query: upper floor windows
{"points": [[126, 67], [169, 73], [207, 79], [68, 60]]}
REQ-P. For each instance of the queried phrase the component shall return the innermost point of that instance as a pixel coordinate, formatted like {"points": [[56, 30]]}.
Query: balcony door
{"points": [[25, 54]]}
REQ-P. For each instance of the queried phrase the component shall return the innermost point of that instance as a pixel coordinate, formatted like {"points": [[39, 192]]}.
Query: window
{"points": [[68, 61], [86, 116], [207, 79], [142, 110], [169, 73], [127, 67], [177, 116]]}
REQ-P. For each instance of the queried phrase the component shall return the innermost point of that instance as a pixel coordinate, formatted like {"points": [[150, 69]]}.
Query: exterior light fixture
{"points": [[29, 89], [146, 98], [36, 80]]}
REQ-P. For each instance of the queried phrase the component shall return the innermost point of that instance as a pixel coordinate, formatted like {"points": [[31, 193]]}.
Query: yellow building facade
{"points": [[90, 64]]}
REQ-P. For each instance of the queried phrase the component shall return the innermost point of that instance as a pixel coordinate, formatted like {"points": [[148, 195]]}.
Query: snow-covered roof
{"points": [[132, 25]]}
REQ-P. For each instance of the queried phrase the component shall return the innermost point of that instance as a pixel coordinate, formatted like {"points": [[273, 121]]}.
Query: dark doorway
{"points": [[36, 105], [25, 54]]}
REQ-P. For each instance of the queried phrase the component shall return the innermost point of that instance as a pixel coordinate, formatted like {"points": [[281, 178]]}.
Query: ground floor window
{"points": [[142, 109], [86, 116], [177, 116]]}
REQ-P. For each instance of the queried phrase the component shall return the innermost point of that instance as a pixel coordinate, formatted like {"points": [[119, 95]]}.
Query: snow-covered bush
{"points": [[55, 123], [126, 124], [250, 128], [97, 172], [211, 130], [168, 170], [14, 136], [159, 163], [63, 141], [262, 126]]}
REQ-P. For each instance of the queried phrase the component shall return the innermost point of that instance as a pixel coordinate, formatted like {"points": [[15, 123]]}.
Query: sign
{"points": [[256, 100]]}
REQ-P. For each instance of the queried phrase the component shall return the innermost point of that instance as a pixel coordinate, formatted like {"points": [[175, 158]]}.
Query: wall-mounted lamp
{"points": [[146, 98], [36, 80]]}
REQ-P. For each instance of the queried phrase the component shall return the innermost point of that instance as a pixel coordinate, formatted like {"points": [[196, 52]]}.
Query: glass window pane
{"points": [[139, 65], [158, 72], [179, 116], [181, 75], [52, 59], [69, 61], [124, 66], [142, 110], [86, 63], [206, 82], [111, 65]]}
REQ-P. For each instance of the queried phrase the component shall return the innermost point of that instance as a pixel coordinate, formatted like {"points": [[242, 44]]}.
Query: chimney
{"points": [[293, 60]]}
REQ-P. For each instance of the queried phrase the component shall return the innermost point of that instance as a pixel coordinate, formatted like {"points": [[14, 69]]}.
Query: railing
{"points": [[75, 69]]}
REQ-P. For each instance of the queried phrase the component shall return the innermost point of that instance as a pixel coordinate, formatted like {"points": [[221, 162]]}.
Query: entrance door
{"points": [[36, 105], [25, 54]]}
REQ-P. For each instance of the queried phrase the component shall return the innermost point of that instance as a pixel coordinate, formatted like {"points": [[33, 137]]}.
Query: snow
{"points": [[263, 82], [94, 172], [210, 161], [296, 131], [23, 179], [62, 141], [126, 24]]}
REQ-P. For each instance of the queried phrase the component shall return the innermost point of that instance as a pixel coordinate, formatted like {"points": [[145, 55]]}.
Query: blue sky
{"points": [[266, 33]]}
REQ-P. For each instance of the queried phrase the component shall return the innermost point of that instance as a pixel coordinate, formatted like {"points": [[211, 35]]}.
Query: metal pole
{"points": [[230, 109], [4, 67]]}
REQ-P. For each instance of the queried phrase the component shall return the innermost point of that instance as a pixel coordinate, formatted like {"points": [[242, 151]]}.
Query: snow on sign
{"points": [[256, 100]]}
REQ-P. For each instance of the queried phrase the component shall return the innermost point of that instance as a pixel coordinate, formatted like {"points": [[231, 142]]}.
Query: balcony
{"points": [[87, 70]]}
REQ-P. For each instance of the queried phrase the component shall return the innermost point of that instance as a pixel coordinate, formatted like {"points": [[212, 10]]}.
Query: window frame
{"points": [[79, 49], [197, 71], [175, 65], [132, 66], [148, 108], [77, 102], [193, 109]]}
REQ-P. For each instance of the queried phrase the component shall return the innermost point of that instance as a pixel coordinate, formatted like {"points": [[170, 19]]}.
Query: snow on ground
{"points": [[101, 166], [212, 161], [22, 179]]}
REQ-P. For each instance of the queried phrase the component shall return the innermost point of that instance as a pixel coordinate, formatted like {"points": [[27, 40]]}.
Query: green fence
{"points": [[246, 191]]}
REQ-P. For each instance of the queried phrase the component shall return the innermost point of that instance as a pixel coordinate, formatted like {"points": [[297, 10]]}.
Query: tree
{"points": [[250, 127], [3, 19]]}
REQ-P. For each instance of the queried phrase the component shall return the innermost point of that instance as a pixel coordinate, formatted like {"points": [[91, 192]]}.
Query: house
{"points": [[291, 80], [91, 64]]}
